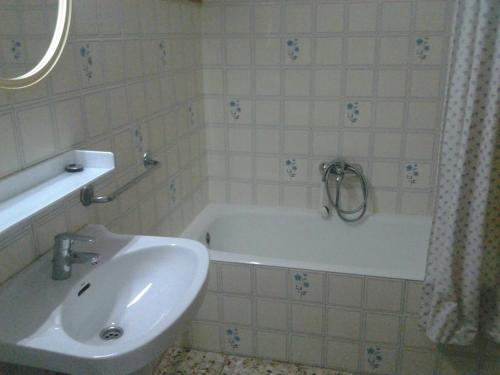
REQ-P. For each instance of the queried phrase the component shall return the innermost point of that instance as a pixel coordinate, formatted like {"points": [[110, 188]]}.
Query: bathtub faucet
{"points": [[339, 169]]}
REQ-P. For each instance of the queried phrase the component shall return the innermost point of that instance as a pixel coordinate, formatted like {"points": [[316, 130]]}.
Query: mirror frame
{"points": [[52, 55]]}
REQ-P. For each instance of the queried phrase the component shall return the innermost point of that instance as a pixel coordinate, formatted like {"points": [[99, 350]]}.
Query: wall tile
{"points": [[271, 282], [329, 50], [326, 113], [306, 349], [16, 255], [382, 328], [235, 278], [345, 290], [344, 323], [360, 50], [206, 337], [267, 82], [383, 294], [297, 113], [342, 355], [237, 19], [238, 51], [362, 17], [237, 310], [359, 82], [431, 16], [387, 145], [393, 50], [396, 16], [271, 314], [267, 51], [209, 308], [306, 285], [419, 146], [267, 195], [379, 359], [267, 18], [425, 83], [414, 335], [8, 146], [418, 363], [391, 83], [37, 133], [271, 345], [390, 115], [328, 83], [298, 18], [297, 82], [307, 318], [329, 18], [238, 340]]}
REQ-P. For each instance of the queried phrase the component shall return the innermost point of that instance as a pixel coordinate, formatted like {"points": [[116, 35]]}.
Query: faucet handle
{"points": [[72, 237]]}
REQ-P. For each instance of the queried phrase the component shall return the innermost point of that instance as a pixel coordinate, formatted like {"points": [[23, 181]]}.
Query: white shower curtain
{"points": [[461, 297]]}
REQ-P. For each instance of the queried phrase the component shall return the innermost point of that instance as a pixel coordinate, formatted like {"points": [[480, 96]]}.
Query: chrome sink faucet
{"points": [[64, 256]]}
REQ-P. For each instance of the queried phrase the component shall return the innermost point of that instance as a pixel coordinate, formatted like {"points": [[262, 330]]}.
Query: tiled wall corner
{"points": [[291, 83], [129, 80]]}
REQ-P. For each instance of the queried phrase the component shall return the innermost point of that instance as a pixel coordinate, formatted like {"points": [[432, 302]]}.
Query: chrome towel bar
{"points": [[87, 192]]}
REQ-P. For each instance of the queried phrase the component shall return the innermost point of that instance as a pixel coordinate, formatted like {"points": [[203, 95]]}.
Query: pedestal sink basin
{"points": [[112, 318]]}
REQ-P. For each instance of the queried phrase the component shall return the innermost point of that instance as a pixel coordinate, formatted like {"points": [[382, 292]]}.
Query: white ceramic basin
{"points": [[147, 286]]}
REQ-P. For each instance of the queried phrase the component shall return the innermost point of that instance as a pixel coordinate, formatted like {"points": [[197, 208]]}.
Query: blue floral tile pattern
{"points": [[138, 139], [192, 120], [235, 108], [301, 282], [374, 357], [352, 112], [291, 168], [422, 48], [233, 338], [411, 170], [15, 48], [172, 188], [87, 60], [163, 52], [293, 48]]}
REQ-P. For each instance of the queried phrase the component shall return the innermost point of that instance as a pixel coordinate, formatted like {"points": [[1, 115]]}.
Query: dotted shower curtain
{"points": [[461, 297]]}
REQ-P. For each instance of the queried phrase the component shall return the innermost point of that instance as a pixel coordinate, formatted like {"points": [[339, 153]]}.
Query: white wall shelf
{"points": [[27, 192]]}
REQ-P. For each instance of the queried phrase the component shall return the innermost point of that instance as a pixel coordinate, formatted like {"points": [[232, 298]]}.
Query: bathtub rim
{"points": [[214, 210]]}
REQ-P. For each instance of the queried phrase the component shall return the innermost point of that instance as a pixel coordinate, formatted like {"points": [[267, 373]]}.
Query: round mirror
{"points": [[32, 38]]}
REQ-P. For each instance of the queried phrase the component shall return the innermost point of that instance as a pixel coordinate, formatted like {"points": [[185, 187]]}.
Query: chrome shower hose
{"points": [[360, 210]]}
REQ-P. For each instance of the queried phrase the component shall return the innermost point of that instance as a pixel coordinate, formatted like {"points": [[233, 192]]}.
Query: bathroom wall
{"points": [[360, 324], [129, 81], [288, 84]]}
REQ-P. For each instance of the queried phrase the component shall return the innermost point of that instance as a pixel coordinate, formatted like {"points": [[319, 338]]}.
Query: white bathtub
{"points": [[384, 245]]}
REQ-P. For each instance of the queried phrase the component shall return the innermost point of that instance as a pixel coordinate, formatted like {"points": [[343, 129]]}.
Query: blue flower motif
{"points": [[352, 112], [422, 48], [293, 48], [301, 283], [235, 108]]}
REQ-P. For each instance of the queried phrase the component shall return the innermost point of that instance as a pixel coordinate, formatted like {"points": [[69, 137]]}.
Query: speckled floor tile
{"points": [[304, 370], [191, 362], [254, 366]]}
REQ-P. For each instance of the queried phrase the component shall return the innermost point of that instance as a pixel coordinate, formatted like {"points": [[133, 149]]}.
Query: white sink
{"points": [[146, 286]]}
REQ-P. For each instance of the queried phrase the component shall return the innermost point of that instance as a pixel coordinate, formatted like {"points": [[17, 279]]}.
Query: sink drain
{"points": [[111, 333]]}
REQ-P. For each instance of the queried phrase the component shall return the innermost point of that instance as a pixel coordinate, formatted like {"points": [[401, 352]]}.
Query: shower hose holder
{"points": [[339, 169]]}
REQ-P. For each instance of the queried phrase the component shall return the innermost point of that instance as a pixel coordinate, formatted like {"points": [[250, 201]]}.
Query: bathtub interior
{"points": [[382, 245]]}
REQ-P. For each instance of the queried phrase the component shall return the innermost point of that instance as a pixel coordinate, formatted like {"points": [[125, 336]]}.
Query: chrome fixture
{"points": [[87, 193], [64, 256], [339, 169]]}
